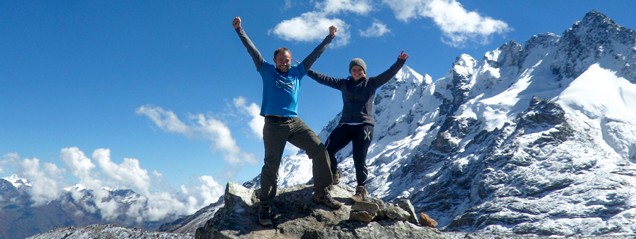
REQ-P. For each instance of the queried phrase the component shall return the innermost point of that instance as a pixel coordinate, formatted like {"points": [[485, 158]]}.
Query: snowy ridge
{"points": [[18, 182], [534, 139]]}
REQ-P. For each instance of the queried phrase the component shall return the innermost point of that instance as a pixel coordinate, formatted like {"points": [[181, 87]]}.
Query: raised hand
{"points": [[236, 23], [403, 56], [332, 31]]}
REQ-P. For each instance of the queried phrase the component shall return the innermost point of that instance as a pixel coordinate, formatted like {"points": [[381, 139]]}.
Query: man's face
{"points": [[283, 61]]}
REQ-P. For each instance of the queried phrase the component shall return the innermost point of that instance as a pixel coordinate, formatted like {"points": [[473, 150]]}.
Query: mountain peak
{"points": [[600, 28], [596, 18], [590, 40], [17, 181]]}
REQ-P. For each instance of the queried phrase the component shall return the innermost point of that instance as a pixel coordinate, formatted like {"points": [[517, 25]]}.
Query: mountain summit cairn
{"points": [[295, 216]]}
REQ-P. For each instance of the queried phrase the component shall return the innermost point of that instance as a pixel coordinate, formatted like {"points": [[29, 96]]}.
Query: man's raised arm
{"points": [[251, 49], [319, 49]]}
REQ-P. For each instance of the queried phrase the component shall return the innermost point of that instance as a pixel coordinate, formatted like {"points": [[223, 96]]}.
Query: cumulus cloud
{"points": [[209, 190], [47, 182], [165, 120], [102, 174], [201, 125], [222, 139], [361, 7], [314, 26], [457, 24], [80, 166], [128, 173], [377, 29], [252, 110], [311, 26]]}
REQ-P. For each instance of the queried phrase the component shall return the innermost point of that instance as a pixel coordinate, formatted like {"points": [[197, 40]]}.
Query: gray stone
{"points": [[407, 206], [365, 206], [391, 211], [361, 216]]}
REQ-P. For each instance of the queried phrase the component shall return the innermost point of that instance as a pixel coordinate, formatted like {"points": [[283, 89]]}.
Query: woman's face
{"points": [[357, 72]]}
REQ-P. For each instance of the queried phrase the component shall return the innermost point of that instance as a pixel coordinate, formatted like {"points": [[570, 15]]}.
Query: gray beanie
{"points": [[358, 62]]}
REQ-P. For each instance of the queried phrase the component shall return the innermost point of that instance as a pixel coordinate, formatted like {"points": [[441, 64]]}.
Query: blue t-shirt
{"points": [[280, 90]]}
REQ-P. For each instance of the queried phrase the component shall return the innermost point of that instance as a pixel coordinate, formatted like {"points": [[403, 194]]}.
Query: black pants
{"points": [[277, 132], [361, 136]]}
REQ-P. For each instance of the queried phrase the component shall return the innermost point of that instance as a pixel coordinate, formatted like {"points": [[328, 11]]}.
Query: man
{"points": [[281, 83]]}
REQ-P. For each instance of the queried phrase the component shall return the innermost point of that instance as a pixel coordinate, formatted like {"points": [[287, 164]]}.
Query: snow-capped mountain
{"points": [[21, 217], [534, 139], [537, 138]]}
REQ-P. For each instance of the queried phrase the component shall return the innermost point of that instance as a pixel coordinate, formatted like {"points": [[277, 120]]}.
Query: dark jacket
{"points": [[358, 95]]}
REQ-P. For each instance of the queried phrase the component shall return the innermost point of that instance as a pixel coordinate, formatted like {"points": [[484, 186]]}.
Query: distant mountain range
{"points": [[534, 139], [20, 217]]}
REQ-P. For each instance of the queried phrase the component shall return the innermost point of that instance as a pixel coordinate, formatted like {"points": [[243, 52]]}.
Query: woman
{"points": [[356, 124]]}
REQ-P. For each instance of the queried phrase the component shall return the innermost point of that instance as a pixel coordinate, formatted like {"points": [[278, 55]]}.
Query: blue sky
{"points": [[161, 95]]}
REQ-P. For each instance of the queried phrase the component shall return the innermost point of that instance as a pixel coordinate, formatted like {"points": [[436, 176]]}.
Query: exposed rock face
{"points": [[295, 216]]}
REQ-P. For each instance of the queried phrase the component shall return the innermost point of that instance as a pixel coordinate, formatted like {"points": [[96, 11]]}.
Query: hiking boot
{"points": [[328, 201], [336, 178], [361, 193], [264, 216]]}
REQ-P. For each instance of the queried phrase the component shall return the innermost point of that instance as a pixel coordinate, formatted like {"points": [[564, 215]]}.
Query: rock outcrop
{"points": [[295, 216]]}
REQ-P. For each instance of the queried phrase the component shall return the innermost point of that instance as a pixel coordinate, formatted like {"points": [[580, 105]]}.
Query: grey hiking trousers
{"points": [[276, 132]]}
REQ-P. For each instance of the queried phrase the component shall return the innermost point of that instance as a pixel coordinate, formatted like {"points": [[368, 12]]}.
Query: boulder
{"points": [[391, 211], [407, 206], [425, 220]]}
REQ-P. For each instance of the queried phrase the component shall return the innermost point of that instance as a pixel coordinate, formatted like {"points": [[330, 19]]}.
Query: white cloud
{"points": [[312, 26], [253, 110], [457, 24], [221, 137], [157, 174], [136, 211], [377, 29], [407, 9], [165, 120], [206, 126], [210, 190], [128, 173], [288, 4], [80, 166], [107, 208], [8, 160], [360, 7], [47, 183]]}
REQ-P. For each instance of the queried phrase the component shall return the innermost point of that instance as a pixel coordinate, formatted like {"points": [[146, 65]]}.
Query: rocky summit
{"points": [[296, 216]]}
